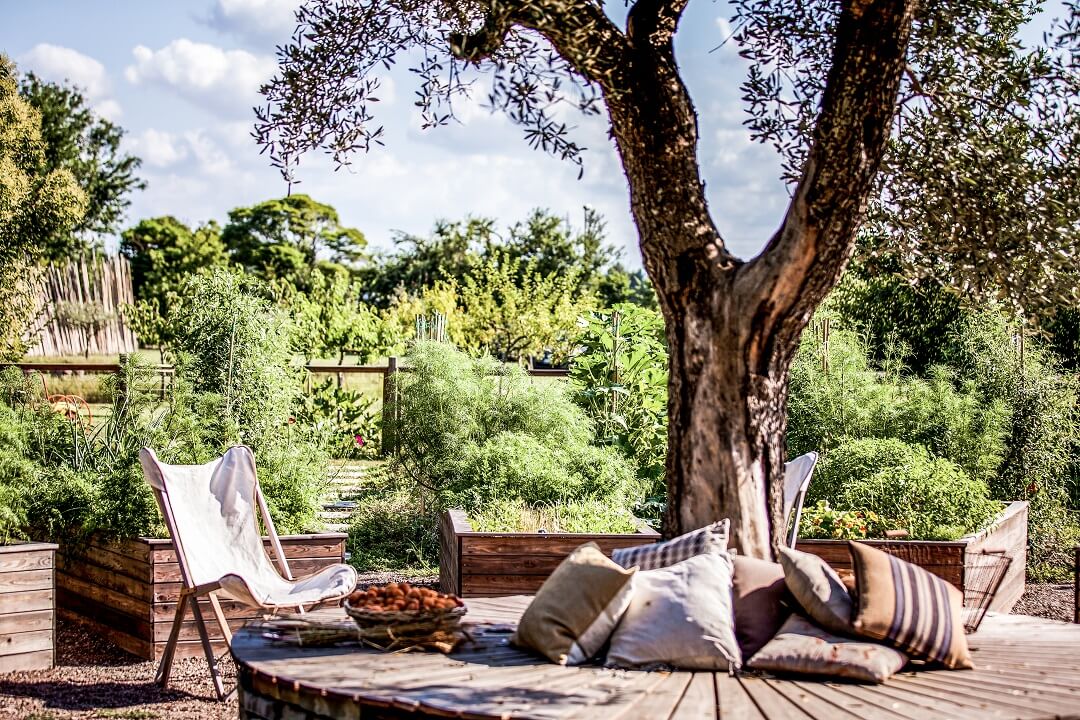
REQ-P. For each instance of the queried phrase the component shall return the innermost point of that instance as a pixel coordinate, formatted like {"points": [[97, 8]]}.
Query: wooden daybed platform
{"points": [[1026, 668]]}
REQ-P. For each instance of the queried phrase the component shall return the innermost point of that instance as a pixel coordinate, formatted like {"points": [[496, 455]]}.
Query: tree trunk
{"points": [[734, 327]]}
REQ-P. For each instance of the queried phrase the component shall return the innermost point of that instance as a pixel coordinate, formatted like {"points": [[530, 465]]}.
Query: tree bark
{"points": [[734, 327]]}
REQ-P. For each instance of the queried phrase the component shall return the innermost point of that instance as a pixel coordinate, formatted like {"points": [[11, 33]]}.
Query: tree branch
{"points": [[807, 255], [654, 21]]}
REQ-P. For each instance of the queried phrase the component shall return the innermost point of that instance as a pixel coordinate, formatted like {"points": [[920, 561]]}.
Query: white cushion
{"points": [[680, 616]]}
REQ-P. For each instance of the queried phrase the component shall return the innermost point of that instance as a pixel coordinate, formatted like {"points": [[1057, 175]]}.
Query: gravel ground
{"points": [[94, 679]]}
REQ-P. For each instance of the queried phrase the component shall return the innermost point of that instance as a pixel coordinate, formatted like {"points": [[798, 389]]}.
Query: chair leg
{"points": [[165, 667], [215, 605], [219, 688]]}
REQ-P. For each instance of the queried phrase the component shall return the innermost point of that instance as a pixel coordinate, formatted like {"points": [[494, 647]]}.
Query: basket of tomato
{"points": [[399, 612]]}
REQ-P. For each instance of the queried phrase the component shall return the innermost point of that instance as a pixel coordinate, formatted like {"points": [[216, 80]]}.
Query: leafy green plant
{"points": [[572, 516], [347, 417], [392, 531], [822, 521], [930, 497], [620, 379], [471, 431]]}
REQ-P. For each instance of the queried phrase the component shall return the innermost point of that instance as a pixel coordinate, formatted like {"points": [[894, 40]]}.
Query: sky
{"points": [[181, 77]]}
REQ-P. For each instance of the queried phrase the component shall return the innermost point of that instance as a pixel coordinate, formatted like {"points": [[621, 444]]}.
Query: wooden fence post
{"points": [[1076, 585]]}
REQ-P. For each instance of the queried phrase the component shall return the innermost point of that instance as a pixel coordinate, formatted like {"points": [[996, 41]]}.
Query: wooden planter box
{"points": [[485, 564], [27, 606], [947, 559], [127, 590]]}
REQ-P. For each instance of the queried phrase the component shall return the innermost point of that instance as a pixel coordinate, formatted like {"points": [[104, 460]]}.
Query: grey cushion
{"points": [[819, 590], [709, 539]]}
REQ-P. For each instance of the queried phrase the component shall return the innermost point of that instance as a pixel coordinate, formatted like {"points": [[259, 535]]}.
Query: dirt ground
{"points": [[94, 679]]}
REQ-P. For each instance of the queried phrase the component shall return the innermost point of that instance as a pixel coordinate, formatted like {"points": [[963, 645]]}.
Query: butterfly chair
{"points": [[796, 481], [211, 511]]}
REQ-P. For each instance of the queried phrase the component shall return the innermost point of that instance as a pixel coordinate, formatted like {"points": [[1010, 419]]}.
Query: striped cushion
{"points": [[913, 610], [709, 539]]}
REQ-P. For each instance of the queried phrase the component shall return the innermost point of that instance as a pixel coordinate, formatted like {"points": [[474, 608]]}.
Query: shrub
{"points": [[932, 498], [471, 431], [391, 531]]}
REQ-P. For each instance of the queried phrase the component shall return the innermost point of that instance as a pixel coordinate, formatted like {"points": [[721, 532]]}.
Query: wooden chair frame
{"points": [[190, 594]]}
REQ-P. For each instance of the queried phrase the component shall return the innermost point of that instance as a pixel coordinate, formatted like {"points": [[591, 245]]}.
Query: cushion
{"points": [[757, 591], [908, 607], [709, 539], [680, 616], [818, 589], [576, 608], [804, 648]]}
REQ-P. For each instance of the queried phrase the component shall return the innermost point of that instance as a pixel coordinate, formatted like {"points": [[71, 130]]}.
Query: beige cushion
{"points": [[711, 538], [818, 590], [681, 616], [908, 607], [757, 590], [576, 608], [802, 647]]}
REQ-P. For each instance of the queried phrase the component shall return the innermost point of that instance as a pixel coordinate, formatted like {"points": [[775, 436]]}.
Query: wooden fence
{"points": [[81, 308]]}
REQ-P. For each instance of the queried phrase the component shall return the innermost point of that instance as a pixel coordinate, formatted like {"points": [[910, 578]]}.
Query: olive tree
{"points": [[733, 325]]}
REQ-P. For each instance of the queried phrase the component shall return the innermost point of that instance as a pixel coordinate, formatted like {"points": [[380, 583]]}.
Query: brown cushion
{"points": [[576, 608], [908, 607], [818, 590], [758, 588], [802, 647]]}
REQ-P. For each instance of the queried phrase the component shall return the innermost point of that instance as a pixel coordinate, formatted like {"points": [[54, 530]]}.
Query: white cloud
{"points": [[58, 64], [264, 22], [226, 80], [158, 149]]}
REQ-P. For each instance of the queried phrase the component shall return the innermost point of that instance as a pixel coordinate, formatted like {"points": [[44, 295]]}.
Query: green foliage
{"points": [[331, 318], [286, 238], [473, 431], [574, 516], [931, 497], [512, 311], [391, 531], [620, 378], [163, 251], [822, 521], [346, 419], [38, 203], [835, 394], [88, 147]]}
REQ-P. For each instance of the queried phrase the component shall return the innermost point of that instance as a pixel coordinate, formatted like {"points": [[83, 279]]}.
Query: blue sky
{"points": [[181, 78]]}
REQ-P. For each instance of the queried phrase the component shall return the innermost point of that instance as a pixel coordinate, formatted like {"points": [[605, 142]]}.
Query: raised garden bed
{"points": [[486, 564], [27, 606], [127, 590], [947, 559]]}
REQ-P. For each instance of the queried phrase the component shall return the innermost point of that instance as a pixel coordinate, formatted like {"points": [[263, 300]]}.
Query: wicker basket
{"points": [[397, 629]]}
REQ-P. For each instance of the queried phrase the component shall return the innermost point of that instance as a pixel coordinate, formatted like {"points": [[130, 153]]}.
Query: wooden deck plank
{"points": [[1015, 699], [866, 709], [658, 702], [772, 704], [732, 701], [699, 700], [938, 704], [811, 704]]}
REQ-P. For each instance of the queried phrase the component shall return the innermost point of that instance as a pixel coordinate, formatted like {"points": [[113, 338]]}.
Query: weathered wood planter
{"points": [[127, 590], [27, 606], [486, 564], [947, 559]]}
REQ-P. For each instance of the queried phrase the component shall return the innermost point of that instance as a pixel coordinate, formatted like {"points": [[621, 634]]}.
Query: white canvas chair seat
{"points": [[797, 474], [273, 593], [212, 512]]}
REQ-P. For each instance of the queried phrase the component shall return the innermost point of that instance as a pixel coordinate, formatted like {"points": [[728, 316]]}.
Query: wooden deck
{"points": [[1026, 668]]}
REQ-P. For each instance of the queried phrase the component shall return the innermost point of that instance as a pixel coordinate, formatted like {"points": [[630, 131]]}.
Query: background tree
{"points": [[287, 238], [733, 326], [38, 204], [163, 252], [88, 147]]}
